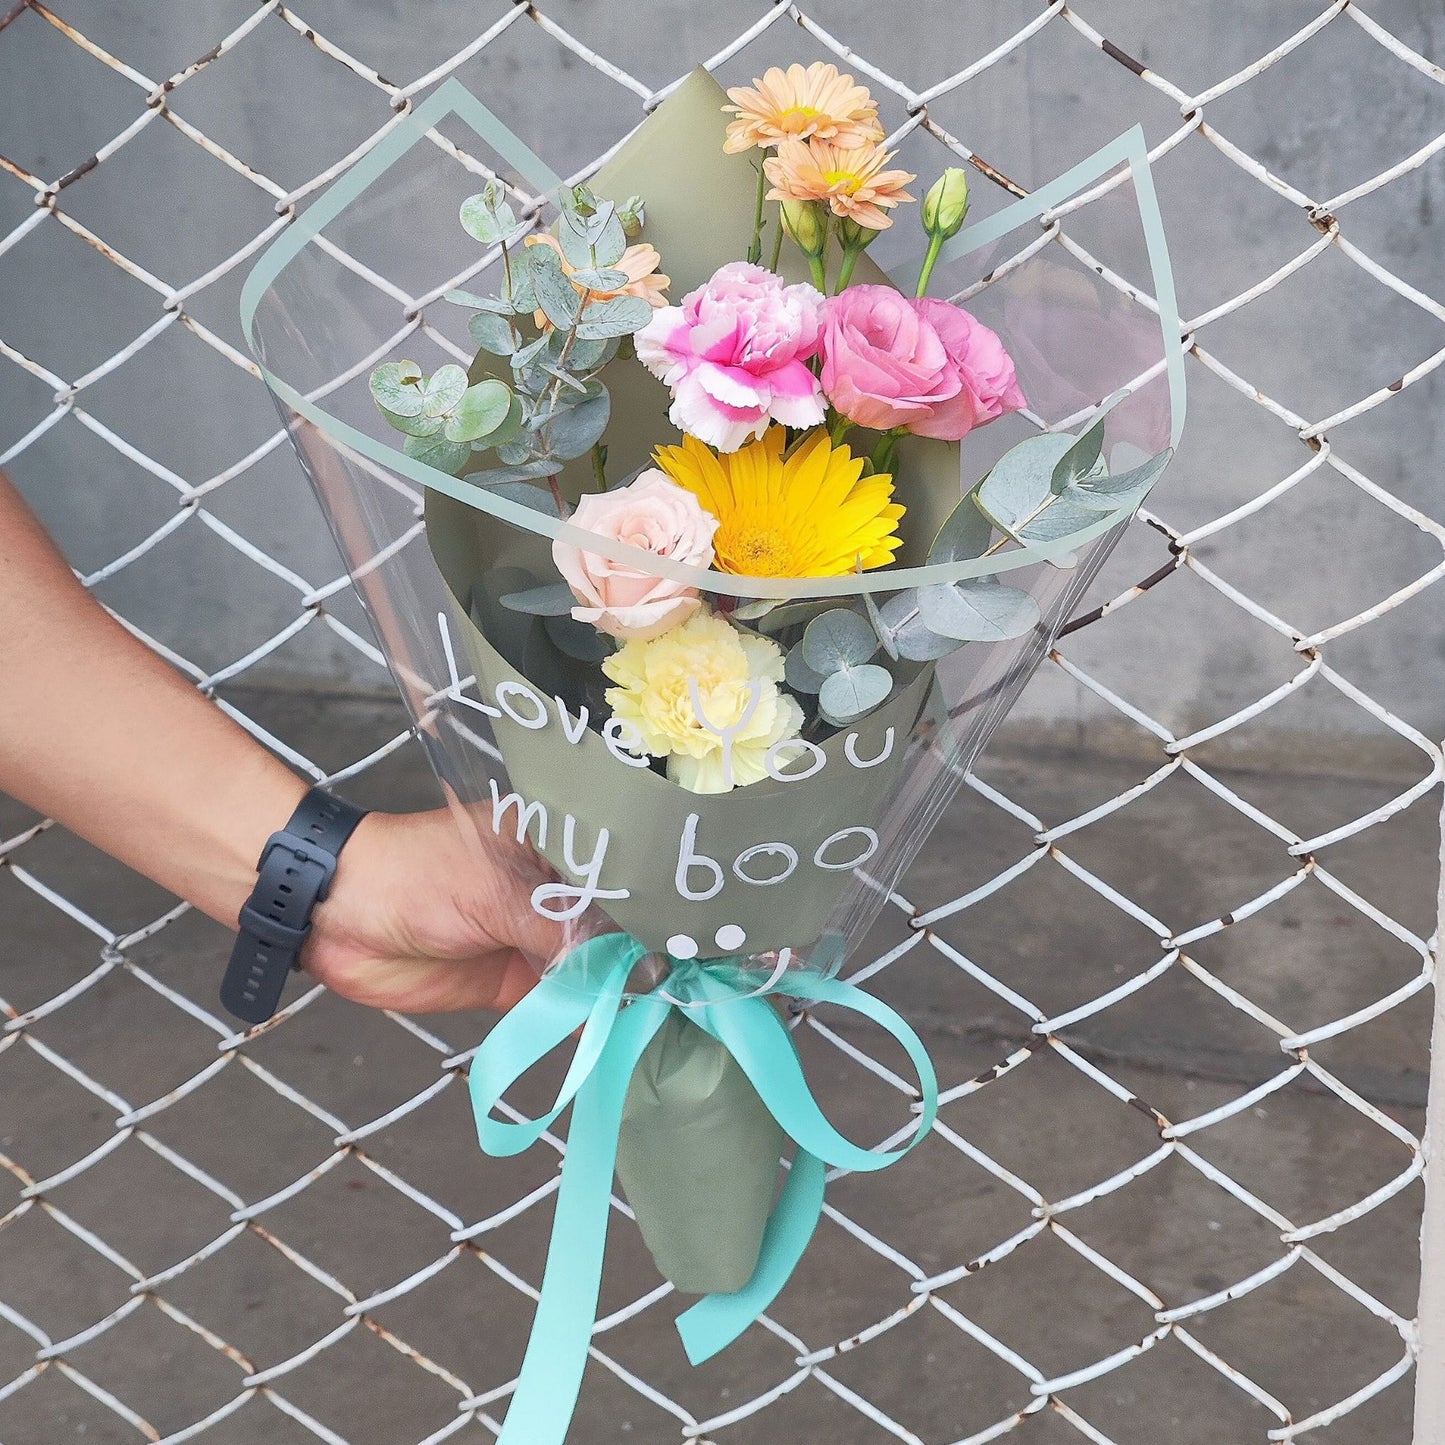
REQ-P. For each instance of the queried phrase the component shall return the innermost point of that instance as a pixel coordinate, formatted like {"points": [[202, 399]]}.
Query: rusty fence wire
{"points": [[1209, 1319]]}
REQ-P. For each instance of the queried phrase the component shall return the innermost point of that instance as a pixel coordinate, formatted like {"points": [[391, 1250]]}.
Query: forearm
{"points": [[99, 733]]}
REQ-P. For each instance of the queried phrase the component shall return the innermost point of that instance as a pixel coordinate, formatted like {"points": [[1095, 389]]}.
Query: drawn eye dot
{"points": [[730, 936], [682, 945]]}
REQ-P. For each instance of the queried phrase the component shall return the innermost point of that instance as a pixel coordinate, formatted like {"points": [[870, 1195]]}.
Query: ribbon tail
{"points": [[551, 1378], [713, 1323]]}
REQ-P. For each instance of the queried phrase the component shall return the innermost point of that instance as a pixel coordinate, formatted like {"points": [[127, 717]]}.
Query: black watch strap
{"points": [[296, 869]]}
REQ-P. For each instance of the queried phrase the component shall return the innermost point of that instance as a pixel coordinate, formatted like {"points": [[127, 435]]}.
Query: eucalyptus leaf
{"points": [[977, 609], [438, 452], [592, 237], [539, 499], [597, 278], [522, 472], [521, 293], [442, 390], [1063, 516], [1127, 490], [509, 431], [576, 431], [556, 296], [493, 333], [793, 614], [574, 235], [838, 638], [914, 639], [620, 316], [594, 352], [560, 373], [1019, 484], [482, 409], [524, 356], [487, 217], [394, 389], [1083, 459], [965, 533], [611, 240], [554, 600], [579, 640], [881, 628], [494, 304], [752, 611], [413, 426], [853, 691], [513, 454], [798, 675]]}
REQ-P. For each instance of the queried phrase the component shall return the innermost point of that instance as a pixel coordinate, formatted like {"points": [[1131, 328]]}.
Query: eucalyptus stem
{"points": [[755, 247], [935, 245], [563, 510]]}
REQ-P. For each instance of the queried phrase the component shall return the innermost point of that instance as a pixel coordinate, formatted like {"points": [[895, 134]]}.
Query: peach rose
{"points": [[651, 512]]}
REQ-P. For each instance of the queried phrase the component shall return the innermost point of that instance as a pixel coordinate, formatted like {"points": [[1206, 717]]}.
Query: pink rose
{"points": [[657, 515], [734, 356], [892, 361]]}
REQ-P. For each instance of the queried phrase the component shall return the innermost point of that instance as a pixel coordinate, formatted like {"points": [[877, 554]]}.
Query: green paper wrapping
{"points": [[698, 1160]]}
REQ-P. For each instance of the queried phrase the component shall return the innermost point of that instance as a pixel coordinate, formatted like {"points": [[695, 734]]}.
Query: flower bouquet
{"points": [[742, 581]]}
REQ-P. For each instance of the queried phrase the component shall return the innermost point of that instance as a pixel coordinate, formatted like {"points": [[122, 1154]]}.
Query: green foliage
{"points": [[834, 660], [555, 408], [853, 691], [555, 600]]}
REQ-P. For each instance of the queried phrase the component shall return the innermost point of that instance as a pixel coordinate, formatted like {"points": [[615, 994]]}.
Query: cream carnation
{"points": [[737, 677]]}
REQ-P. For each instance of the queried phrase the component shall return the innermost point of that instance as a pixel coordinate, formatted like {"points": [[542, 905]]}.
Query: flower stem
{"points": [[839, 428], [820, 273], [845, 273], [599, 465], [935, 245], [755, 247], [777, 246], [883, 453]]}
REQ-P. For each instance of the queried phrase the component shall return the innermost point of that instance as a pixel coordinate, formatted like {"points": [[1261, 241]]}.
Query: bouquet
{"points": [[741, 585]]}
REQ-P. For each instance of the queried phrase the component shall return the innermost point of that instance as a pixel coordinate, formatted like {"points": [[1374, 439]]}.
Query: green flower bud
{"points": [[946, 204], [855, 237], [805, 222], [632, 216]]}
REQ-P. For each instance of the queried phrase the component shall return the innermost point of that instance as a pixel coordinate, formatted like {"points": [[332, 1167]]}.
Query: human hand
{"points": [[420, 919]]}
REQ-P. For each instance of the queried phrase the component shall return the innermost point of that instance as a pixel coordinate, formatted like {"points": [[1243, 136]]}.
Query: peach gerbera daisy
{"points": [[795, 104], [850, 179], [638, 263]]}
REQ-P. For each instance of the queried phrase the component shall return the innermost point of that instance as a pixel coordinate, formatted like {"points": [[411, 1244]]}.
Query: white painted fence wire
{"points": [[1215, 1314]]}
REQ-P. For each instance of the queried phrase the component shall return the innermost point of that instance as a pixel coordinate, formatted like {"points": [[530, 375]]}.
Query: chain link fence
{"points": [[1119, 1230]]}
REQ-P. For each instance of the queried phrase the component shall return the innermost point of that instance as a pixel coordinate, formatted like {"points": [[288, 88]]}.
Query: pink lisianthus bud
{"points": [[924, 365], [735, 356]]}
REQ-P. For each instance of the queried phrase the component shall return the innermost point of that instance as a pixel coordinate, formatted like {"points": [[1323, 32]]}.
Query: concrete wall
{"points": [[1326, 117]]}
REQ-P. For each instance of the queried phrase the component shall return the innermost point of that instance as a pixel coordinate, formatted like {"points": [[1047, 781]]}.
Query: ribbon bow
{"points": [[586, 990]]}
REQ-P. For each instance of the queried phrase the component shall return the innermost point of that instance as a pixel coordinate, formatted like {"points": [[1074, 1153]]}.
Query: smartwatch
{"points": [[296, 868]]}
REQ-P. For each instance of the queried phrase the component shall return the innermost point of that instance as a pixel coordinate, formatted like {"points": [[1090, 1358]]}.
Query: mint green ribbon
{"points": [[720, 997]]}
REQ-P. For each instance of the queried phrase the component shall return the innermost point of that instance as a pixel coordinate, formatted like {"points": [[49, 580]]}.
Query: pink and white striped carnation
{"points": [[734, 355]]}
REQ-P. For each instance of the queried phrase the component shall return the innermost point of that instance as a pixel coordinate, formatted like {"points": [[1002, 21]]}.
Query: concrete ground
{"points": [[1176, 1047]]}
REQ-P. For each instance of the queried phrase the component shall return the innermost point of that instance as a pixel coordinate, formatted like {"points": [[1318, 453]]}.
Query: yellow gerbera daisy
{"points": [[811, 514], [797, 103]]}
